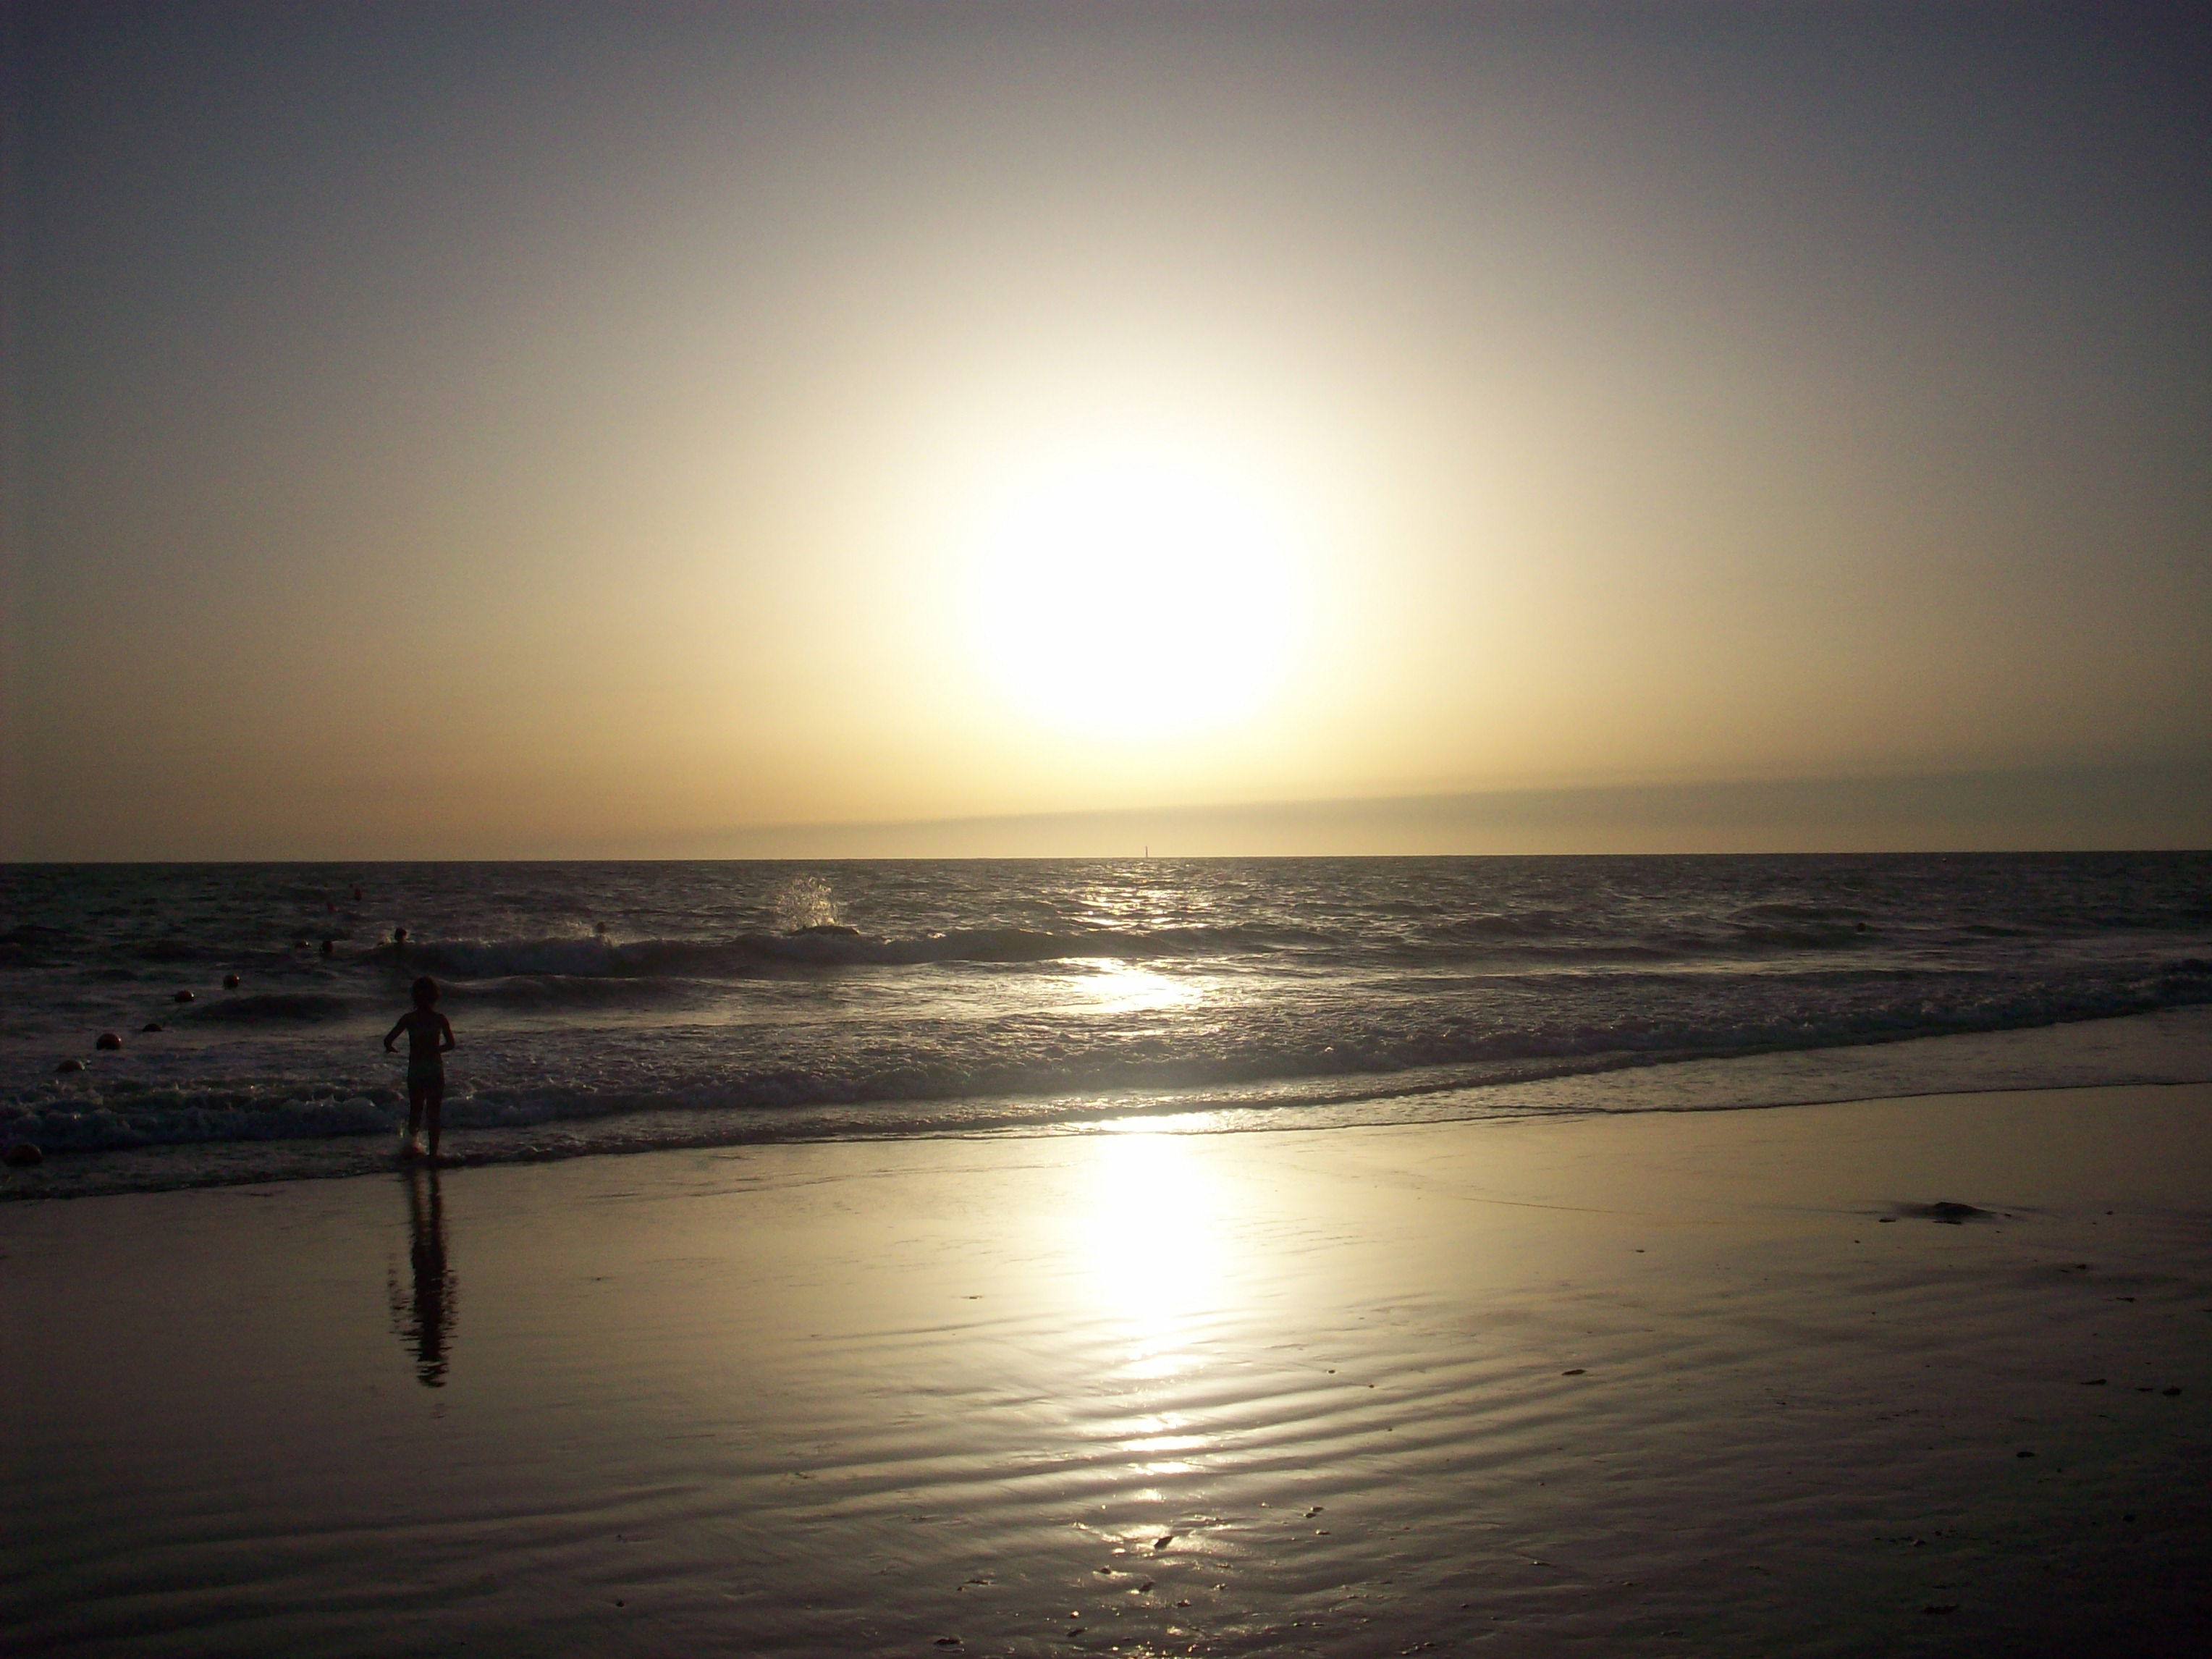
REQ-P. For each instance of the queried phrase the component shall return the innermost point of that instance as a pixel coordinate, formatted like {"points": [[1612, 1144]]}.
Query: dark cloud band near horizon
{"points": [[2132, 807], [2053, 808]]}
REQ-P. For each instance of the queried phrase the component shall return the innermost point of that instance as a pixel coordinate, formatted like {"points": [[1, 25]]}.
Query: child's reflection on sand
{"points": [[424, 1319]]}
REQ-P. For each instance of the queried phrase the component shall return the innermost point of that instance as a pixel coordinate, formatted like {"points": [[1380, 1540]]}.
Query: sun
{"points": [[1134, 594]]}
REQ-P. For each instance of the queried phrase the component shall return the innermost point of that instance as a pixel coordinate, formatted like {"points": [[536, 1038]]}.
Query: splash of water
{"points": [[805, 902]]}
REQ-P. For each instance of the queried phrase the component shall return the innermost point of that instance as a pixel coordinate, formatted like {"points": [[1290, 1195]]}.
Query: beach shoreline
{"points": [[1712, 1381], [2172, 1045]]}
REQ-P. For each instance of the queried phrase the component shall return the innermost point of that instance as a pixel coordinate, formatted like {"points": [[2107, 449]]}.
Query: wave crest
{"points": [[823, 946]]}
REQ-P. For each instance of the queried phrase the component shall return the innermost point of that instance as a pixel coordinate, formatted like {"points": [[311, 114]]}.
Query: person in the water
{"points": [[429, 1039]]}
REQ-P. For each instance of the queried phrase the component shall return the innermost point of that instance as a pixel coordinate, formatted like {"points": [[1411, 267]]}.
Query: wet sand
{"points": [[1702, 1383]]}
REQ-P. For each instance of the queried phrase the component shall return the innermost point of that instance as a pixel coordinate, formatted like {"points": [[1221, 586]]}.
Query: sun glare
{"points": [[1152, 1192], [1130, 595]]}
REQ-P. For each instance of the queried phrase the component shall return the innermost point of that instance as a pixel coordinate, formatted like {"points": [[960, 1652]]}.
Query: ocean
{"points": [[620, 1006]]}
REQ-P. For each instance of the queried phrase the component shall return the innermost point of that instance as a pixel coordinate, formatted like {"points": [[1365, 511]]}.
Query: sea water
{"points": [[605, 1006]]}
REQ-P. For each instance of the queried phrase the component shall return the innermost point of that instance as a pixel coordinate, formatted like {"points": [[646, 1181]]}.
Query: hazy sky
{"points": [[470, 430]]}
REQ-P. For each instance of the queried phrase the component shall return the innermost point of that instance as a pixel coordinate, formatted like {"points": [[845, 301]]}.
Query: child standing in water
{"points": [[429, 1036]]}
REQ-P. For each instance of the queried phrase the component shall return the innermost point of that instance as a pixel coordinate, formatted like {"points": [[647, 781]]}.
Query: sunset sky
{"points": [[544, 430]]}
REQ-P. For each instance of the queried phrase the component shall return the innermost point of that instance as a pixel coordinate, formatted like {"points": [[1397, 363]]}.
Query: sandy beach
{"points": [[1711, 1382]]}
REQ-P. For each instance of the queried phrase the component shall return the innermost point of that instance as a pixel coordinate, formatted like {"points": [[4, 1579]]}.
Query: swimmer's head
{"points": [[426, 991]]}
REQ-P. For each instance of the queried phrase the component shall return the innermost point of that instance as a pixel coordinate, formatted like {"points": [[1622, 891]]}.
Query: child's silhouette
{"points": [[428, 1039]]}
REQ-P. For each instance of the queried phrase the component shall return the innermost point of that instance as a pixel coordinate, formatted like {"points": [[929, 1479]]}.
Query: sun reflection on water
{"points": [[1156, 1256], [1112, 987]]}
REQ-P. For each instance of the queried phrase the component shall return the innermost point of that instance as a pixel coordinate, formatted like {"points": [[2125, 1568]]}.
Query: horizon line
{"points": [[2162, 805]]}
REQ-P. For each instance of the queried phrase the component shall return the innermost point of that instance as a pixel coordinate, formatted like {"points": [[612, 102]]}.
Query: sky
{"points": [[628, 429]]}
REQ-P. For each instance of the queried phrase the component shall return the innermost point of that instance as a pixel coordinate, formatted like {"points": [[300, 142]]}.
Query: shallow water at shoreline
{"points": [[2171, 1047]]}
